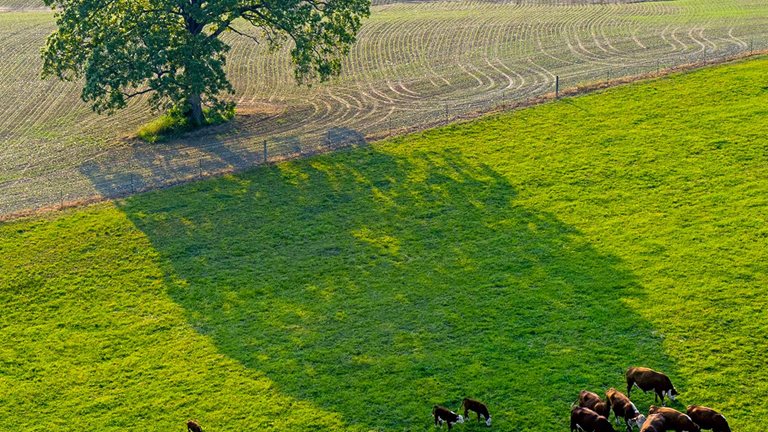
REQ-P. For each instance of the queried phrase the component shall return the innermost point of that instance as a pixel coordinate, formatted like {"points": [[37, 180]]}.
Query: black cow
{"points": [[193, 426], [478, 407], [443, 414]]}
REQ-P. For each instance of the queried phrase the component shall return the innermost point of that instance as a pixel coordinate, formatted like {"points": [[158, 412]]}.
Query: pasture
{"points": [[416, 63], [516, 259]]}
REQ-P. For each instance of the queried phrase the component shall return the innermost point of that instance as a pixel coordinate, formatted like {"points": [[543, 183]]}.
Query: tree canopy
{"points": [[172, 49]]}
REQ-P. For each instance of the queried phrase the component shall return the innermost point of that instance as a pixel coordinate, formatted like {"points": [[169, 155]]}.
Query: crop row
{"points": [[416, 63]]}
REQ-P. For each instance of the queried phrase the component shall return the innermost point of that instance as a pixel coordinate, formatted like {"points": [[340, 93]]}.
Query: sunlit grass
{"points": [[516, 259]]}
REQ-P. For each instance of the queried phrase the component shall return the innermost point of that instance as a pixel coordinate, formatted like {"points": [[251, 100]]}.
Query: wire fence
{"points": [[148, 167]]}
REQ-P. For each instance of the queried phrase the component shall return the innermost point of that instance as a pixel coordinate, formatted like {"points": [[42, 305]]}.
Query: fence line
{"points": [[148, 170]]}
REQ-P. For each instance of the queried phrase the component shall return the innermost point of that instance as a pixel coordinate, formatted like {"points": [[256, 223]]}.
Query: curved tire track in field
{"points": [[416, 63]]}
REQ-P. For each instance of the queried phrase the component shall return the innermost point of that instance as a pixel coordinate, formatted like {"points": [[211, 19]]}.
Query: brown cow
{"points": [[675, 419], [654, 423], [589, 421], [707, 418], [590, 400], [478, 407], [648, 379], [624, 408], [443, 414], [193, 426]]}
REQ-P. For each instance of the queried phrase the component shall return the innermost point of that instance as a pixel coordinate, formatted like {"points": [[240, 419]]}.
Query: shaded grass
{"points": [[516, 259], [173, 124]]}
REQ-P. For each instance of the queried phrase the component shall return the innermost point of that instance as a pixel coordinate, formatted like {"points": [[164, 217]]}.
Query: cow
{"points": [[589, 421], [443, 414], [193, 426], [478, 407], [675, 419], [624, 408], [590, 400], [707, 418], [654, 423], [648, 379]]}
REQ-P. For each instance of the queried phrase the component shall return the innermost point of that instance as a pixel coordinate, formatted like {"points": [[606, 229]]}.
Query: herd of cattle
{"points": [[591, 413]]}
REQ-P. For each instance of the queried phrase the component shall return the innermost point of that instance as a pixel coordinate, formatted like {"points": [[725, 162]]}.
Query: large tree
{"points": [[173, 49]]}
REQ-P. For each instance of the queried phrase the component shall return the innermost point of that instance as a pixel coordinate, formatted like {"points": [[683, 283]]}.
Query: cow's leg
{"points": [[662, 398], [629, 387]]}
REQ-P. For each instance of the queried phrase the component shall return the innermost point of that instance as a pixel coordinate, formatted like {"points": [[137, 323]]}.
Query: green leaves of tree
{"points": [[172, 49]]}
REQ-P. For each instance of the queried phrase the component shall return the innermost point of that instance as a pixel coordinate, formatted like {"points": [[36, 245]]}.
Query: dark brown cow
{"points": [[443, 414], [624, 408], [675, 419], [648, 379], [589, 421], [478, 407], [707, 418], [193, 426], [654, 423], [590, 400]]}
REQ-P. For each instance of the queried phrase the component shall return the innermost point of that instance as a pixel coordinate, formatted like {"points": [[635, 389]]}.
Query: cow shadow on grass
{"points": [[376, 285]]}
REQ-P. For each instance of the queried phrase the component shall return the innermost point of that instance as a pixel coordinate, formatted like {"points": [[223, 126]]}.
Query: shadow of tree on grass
{"points": [[376, 285]]}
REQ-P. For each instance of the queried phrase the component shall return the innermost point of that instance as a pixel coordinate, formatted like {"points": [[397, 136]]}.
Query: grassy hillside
{"points": [[517, 259], [415, 63]]}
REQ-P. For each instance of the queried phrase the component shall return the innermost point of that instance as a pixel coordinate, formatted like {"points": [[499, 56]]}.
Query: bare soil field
{"points": [[417, 63]]}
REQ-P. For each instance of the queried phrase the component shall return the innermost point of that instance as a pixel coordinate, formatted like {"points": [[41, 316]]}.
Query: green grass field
{"points": [[517, 259]]}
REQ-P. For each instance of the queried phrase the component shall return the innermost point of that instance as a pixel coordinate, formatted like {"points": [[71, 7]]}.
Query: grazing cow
{"points": [[654, 423], [192, 426], [443, 414], [590, 400], [624, 408], [589, 421], [707, 418], [648, 379], [675, 419], [478, 407]]}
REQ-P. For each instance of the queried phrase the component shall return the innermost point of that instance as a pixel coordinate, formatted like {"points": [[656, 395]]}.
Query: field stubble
{"points": [[416, 64]]}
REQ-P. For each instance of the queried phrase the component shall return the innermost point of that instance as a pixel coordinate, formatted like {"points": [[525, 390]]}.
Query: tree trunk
{"points": [[195, 110]]}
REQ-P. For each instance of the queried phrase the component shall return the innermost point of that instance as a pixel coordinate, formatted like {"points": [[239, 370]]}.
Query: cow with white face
{"points": [[648, 379], [444, 415], [625, 409], [478, 407]]}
